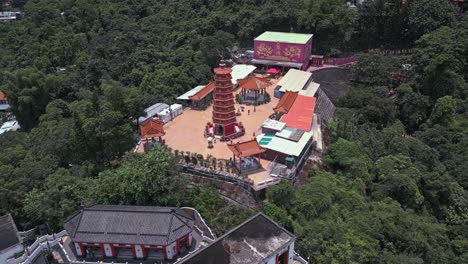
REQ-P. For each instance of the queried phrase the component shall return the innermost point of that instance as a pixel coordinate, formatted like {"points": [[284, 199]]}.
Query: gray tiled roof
{"points": [[128, 224], [8, 232], [254, 241]]}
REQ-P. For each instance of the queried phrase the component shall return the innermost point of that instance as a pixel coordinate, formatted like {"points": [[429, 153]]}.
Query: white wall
{"points": [[291, 253], [138, 251], [108, 250], [78, 249], [10, 252], [171, 250]]}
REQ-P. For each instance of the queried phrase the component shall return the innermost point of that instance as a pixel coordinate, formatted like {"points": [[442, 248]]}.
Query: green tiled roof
{"points": [[295, 38]]}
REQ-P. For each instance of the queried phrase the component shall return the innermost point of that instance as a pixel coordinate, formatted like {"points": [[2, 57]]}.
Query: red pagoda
{"points": [[224, 113]]}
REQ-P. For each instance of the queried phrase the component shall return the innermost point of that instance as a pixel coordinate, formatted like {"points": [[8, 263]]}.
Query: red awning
{"points": [[301, 114], [273, 71]]}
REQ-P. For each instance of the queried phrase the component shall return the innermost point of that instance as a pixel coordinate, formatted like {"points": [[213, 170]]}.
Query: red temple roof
{"points": [[301, 113], [246, 148], [222, 70], [253, 83], [152, 128], [203, 92], [286, 102], [2, 96]]}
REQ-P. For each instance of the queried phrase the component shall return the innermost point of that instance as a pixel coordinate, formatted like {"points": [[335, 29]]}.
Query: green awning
{"points": [[291, 159]]}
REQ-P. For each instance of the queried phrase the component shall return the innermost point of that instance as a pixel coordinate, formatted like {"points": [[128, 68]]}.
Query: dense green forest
{"points": [[395, 184]]}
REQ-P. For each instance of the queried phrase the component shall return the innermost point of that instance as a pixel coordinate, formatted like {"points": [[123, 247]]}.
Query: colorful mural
{"points": [[282, 51]]}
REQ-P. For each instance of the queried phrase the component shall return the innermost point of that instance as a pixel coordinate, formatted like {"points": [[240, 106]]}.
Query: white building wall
{"points": [[108, 250], [171, 250], [138, 251], [291, 253], [78, 249], [190, 238], [10, 252], [272, 260]]}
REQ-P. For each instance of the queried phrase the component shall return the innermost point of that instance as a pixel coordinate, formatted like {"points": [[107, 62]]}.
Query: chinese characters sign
{"points": [[280, 51]]}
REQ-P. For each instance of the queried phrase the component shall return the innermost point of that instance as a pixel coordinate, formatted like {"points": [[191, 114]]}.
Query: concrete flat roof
{"points": [[286, 146], [186, 95], [241, 71], [286, 37], [294, 80]]}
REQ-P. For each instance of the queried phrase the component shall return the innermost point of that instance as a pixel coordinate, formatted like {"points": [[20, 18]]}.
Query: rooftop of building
{"points": [[8, 233], [241, 71], [286, 102], [152, 128], [253, 83], [254, 241], [294, 38], [246, 148], [294, 80], [285, 145], [202, 93], [153, 111], [2, 96], [128, 224], [186, 95], [301, 114]]}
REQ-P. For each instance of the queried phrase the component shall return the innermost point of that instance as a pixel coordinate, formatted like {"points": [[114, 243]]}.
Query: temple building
{"points": [[198, 98], [225, 123], [10, 241], [284, 50], [130, 232], [246, 152], [258, 240]]}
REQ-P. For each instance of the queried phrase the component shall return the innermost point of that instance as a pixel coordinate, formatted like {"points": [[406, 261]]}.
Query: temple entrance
{"points": [[284, 258], [93, 251], [220, 130]]}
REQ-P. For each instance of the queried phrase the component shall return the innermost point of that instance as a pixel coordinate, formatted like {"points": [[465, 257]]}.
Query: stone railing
{"points": [[340, 61], [43, 243], [299, 259]]}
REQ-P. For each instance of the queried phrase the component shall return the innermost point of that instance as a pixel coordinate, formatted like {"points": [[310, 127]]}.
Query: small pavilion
{"points": [[246, 152], [253, 89], [151, 131]]}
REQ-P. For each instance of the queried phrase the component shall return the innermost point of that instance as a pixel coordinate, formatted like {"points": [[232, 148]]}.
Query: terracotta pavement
{"points": [[185, 132]]}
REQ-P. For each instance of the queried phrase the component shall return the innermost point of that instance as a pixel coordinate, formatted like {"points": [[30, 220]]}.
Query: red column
{"points": [[277, 259], [102, 250], [133, 251], [188, 240], [178, 246], [83, 249], [165, 252], [286, 256], [144, 251], [114, 254]]}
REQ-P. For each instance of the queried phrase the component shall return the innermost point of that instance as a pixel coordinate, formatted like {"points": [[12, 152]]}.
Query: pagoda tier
{"points": [[224, 113]]}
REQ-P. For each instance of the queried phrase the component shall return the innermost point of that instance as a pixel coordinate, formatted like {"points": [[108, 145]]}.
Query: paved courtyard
{"points": [[185, 133]]}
